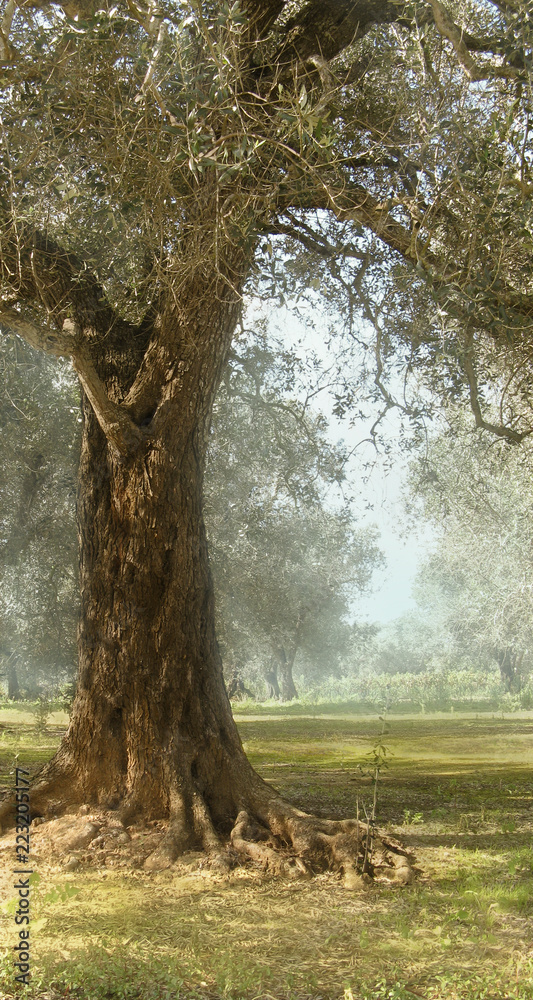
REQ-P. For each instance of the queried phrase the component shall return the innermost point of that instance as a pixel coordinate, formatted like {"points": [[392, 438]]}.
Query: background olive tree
{"points": [[479, 578]]}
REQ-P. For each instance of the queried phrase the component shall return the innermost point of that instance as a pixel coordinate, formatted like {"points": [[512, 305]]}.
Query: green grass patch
{"points": [[320, 707], [458, 791], [24, 713]]}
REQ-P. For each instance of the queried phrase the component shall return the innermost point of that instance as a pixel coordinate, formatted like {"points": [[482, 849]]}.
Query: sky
{"points": [[403, 545], [404, 551], [380, 501]]}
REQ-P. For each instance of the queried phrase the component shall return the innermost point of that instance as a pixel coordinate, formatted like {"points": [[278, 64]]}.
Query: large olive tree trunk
{"points": [[151, 732], [151, 700], [151, 729]]}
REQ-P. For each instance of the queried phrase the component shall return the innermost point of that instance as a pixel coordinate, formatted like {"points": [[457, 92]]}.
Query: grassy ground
{"points": [[458, 790]]}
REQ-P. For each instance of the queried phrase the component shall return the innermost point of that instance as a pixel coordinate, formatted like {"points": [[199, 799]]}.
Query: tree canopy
{"points": [[364, 135]]}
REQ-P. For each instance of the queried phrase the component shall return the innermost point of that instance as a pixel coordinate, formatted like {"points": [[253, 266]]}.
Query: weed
{"points": [[41, 713], [377, 761], [412, 818], [386, 991], [508, 826]]}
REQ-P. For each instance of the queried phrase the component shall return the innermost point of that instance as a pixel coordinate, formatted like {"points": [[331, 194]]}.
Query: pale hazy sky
{"points": [[392, 586]]}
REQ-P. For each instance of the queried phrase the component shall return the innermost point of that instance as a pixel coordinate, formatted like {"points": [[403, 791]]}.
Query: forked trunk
{"points": [[151, 730]]}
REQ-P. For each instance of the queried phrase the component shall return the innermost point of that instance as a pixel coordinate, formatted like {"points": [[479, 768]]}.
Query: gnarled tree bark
{"points": [[151, 732]]}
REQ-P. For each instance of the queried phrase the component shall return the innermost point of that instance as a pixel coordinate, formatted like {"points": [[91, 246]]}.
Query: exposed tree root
{"points": [[51, 794], [189, 825], [254, 841], [295, 842], [267, 830]]}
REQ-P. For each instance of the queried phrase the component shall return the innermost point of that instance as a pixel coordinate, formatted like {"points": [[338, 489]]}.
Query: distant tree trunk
{"points": [[13, 689], [284, 665], [271, 679], [510, 663], [236, 687]]}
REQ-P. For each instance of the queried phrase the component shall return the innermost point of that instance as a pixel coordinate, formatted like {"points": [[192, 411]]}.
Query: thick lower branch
{"points": [[500, 430], [42, 338], [39, 270], [447, 27], [120, 430], [328, 28], [6, 51]]}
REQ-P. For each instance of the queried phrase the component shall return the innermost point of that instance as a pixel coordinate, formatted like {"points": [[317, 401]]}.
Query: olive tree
{"points": [[152, 156], [476, 492]]}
